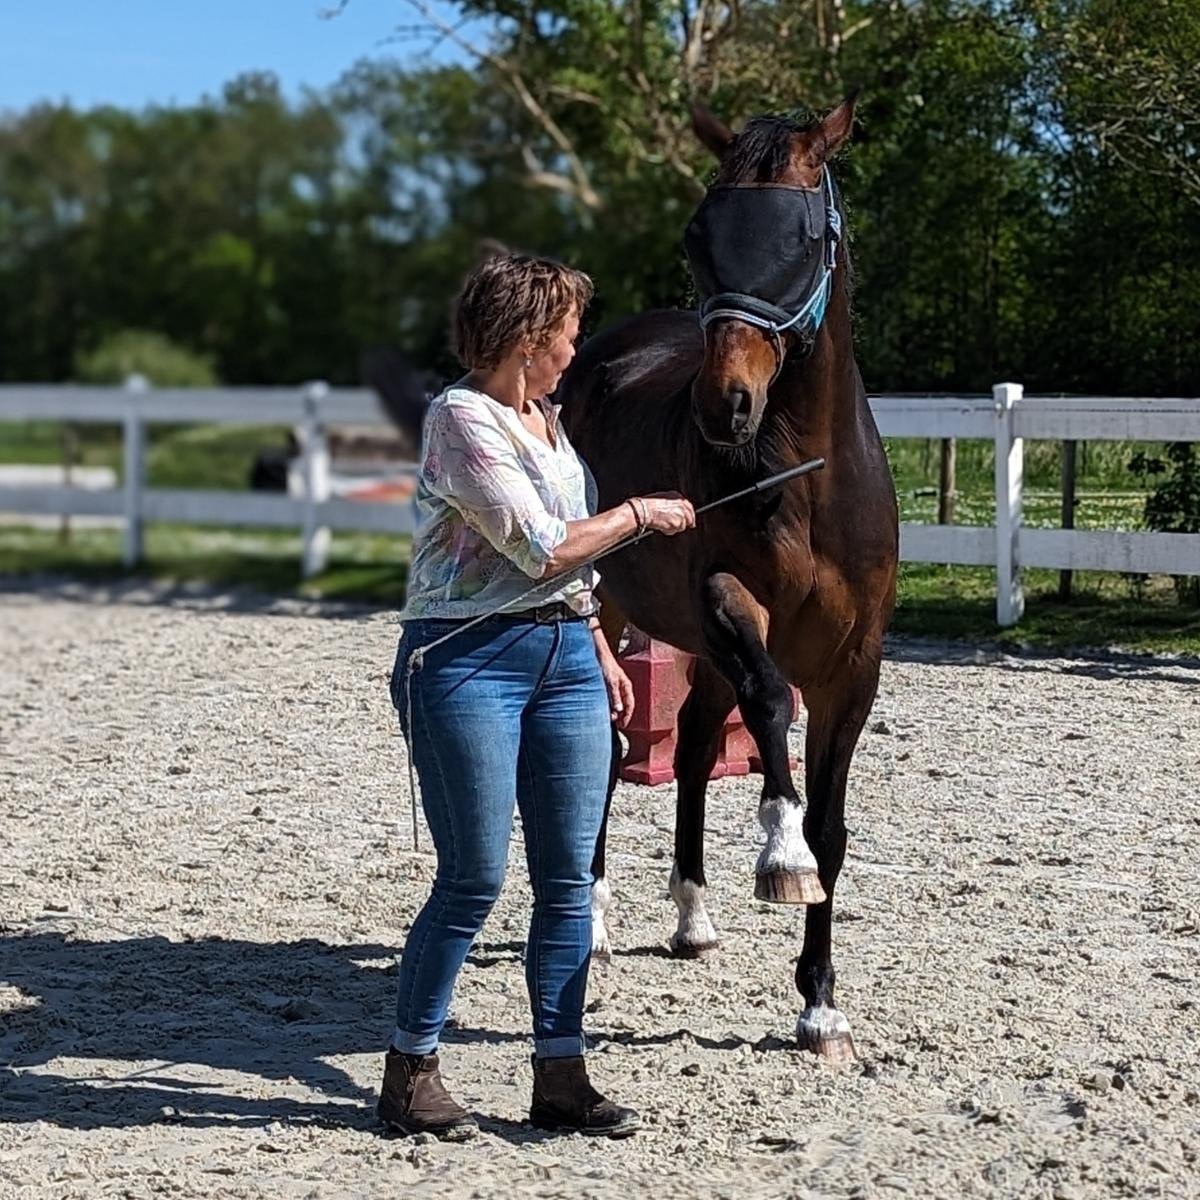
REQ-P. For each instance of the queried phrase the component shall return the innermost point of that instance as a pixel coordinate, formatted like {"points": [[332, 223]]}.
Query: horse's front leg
{"points": [[735, 628], [836, 715], [701, 720]]}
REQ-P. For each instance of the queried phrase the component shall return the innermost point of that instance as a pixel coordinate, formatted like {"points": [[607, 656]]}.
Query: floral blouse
{"points": [[493, 501]]}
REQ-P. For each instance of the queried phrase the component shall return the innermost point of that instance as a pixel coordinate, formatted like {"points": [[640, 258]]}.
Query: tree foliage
{"points": [[1021, 187], [142, 352]]}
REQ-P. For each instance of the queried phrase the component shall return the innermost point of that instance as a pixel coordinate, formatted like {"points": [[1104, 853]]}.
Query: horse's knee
{"points": [[771, 697]]}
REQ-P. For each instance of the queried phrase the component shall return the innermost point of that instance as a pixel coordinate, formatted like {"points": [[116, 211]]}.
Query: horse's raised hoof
{"points": [[826, 1033], [789, 887]]}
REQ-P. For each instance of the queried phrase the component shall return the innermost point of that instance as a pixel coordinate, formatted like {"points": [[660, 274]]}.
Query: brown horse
{"points": [[795, 586]]}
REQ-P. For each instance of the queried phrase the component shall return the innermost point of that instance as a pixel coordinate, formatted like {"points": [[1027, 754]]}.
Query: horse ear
{"points": [[826, 141], [712, 131], [837, 126]]}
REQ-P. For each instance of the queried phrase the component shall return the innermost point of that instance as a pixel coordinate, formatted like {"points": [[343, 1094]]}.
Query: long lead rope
{"points": [[416, 660]]}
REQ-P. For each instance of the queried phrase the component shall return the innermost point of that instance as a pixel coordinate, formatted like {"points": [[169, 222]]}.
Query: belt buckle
{"points": [[548, 614]]}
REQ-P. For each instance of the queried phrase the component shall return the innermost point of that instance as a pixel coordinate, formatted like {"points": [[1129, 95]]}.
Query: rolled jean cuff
{"points": [[559, 1047], [411, 1043]]}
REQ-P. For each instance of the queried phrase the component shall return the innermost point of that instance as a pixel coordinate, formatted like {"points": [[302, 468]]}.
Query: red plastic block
{"points": [[661, 677]]}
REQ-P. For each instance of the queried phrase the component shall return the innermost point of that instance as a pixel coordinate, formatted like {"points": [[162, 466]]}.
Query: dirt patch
{"points": [[205, 876]]}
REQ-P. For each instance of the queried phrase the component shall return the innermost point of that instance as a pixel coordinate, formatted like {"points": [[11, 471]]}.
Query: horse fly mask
{"points": [[765, 255]]}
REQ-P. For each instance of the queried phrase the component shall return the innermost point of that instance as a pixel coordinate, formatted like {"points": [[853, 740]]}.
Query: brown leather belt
{"points": [[545, 614]]}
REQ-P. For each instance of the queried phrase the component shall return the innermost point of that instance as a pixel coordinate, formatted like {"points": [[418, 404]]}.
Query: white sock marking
{"points": [[820, 1022], [786, 849], [601, 903], [695, 928]]}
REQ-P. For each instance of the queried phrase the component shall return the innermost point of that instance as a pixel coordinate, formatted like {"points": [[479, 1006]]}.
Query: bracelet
{"points": [[639, 515]]}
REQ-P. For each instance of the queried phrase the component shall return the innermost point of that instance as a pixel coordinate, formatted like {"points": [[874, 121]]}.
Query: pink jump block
{"points": [[661, 677]]}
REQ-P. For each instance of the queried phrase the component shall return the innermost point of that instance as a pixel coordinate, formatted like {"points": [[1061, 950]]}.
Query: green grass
{"points": [[178, 456], [1105, 610], [1108, 495], [42, 442]]}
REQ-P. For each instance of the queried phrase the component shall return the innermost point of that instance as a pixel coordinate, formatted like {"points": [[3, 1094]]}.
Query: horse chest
{"points": [[769, 550]]}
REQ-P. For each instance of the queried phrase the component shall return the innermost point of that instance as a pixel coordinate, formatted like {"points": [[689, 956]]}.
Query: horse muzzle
{"points": [[729, 416]]}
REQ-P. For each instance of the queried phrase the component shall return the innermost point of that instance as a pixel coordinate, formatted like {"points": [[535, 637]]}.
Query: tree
{"points": [[154, 357]]}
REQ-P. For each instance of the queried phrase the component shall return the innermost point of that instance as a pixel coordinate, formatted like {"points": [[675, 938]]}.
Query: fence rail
{"points": [[1007, 418]]}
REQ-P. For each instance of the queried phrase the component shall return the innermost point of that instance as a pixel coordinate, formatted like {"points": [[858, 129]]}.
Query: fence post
{"points": [[1068, 510], [948, 481], [316, 480], [134, 445], [1010, 478]]}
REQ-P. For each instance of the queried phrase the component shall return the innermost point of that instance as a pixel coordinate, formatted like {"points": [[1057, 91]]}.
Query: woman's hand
{"points": [[666, 512], [620, 690]]}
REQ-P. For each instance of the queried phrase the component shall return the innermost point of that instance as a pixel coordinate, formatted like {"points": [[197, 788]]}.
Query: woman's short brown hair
{"points": [[509, 298]]}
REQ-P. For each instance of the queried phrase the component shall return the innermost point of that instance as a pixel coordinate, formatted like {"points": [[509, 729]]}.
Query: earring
{"points": [[527, 363]]}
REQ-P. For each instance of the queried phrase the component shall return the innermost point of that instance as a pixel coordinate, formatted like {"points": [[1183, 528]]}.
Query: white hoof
{"points": [[695, 932], [786, 850]]}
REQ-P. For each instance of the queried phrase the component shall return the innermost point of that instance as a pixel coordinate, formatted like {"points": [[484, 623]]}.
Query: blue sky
{"points": [[137, 52]]}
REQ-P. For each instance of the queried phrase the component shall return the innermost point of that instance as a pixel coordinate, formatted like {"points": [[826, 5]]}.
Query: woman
{"points": [[515, 711]]}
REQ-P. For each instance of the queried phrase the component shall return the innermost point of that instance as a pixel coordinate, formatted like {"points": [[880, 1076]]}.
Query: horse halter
{"points": [[764, 254]]}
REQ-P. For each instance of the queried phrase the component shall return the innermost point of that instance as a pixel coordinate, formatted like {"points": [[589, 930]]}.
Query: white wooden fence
{"points": [[1007, 417], [312, 408]]}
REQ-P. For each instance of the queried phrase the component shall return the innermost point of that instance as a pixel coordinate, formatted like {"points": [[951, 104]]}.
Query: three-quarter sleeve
{"points": [[471, 463]]}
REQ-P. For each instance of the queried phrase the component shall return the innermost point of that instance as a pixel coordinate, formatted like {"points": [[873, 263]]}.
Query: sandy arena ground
{"points": [[205, 875]]}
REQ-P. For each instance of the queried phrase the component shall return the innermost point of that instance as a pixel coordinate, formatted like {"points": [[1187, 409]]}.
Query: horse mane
{"points": [[762, 151]]}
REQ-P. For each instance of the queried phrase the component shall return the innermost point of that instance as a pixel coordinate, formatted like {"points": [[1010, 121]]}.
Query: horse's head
{"points": [[761, 247]]}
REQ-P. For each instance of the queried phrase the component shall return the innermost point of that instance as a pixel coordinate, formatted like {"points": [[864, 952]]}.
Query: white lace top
{"points": [[493, 501]]}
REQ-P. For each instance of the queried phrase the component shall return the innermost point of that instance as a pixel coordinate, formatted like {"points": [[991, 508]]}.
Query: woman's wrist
{"points": [[639, 513], [603, 649]]}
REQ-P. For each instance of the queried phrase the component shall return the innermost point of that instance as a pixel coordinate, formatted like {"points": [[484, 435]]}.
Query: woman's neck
{"points": [[505, 384]]}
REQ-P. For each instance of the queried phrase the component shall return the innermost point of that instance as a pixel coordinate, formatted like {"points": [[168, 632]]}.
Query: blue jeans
{"points": [[505, 715]]}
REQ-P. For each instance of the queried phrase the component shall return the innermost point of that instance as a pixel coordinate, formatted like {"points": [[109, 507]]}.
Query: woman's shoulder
{"points": [[456, 403], [461, 395]]}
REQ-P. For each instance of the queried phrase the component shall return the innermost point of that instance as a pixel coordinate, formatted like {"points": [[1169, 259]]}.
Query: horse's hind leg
{"points": [[836, 715], [734, 625], [612, 622], [601, 895], [701, 720]]}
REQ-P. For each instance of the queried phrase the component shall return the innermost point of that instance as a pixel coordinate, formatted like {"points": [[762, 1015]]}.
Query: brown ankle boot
{"points": [[413, 1099], [564, 1099]]}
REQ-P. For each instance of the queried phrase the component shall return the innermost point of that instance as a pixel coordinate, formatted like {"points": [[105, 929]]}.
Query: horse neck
{"points": [[815, 397]]}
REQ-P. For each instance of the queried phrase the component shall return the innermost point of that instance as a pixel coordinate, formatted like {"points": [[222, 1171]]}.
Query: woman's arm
{"points": [[473, 466], [617, 683], [591, 536]]}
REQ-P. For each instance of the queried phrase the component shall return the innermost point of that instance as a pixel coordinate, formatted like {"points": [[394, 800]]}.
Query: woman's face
{"points": [[547, 364]]}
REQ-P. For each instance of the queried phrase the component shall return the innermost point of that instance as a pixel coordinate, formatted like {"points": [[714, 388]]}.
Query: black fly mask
{"points": [[765, 255]]}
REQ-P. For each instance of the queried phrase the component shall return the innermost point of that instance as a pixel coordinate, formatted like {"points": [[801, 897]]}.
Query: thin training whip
{"points": [[417, 658]]}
